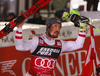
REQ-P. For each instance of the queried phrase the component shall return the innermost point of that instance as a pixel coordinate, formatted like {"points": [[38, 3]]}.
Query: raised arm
{"points": [[24, 45], [79, 21], [74, 45]]}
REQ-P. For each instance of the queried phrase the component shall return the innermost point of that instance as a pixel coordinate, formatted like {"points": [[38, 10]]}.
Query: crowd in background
{"points": [[64, 7]]}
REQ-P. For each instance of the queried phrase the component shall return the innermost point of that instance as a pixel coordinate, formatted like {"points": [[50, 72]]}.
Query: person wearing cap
{"points": [[46, 49]]}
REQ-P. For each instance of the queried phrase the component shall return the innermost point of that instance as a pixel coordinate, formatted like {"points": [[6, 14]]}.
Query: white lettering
{"points": [[80, 62], [68, 64], [47, 51], [50, 52], [61, 70], [23, 66], [6, 66], [40, 50]]}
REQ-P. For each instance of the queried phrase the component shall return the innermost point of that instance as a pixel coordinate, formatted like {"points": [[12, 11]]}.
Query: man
{"points": [[46, 49]]}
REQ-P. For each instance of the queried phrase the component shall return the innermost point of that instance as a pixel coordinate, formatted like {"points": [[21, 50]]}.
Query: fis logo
{"points": [[59, 43], [47, 51], [41, 41], [6, 66]]}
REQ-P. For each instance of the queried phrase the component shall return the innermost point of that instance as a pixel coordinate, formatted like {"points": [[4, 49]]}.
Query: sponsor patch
{"points": [[41, 41]]}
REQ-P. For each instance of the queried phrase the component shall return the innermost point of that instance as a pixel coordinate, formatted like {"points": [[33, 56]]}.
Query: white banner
{"points": [[68, 31]]}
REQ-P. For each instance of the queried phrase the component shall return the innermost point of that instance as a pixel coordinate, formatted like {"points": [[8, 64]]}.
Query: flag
{"points": [[91, 57]]}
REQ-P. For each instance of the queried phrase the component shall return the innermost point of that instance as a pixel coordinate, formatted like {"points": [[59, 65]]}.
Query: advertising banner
{"points": [[16, 63]]}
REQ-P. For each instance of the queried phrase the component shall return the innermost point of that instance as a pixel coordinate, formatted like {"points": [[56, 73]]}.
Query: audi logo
{"points": [[45, 62]]}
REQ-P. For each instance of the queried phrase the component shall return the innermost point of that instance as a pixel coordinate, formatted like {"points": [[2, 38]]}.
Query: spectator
{"points": [[91, 3], [37, 19], [10, 17]]}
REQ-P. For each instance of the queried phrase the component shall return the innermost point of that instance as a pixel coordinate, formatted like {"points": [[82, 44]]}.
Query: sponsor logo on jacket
{"points": [[47, 51]]}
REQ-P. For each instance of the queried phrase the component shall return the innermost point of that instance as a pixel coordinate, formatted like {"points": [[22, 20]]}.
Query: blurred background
{"points": [[15, 7], [16, 63]]}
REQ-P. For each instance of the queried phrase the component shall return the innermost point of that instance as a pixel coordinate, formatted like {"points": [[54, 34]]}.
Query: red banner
{"points": [[16, 63]]}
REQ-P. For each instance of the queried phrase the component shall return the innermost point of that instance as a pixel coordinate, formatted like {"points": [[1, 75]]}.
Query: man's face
{"points": [[54, 30]]}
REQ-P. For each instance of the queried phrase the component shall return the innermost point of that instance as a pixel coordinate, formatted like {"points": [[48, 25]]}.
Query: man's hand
{"points": [[75, 19], [83, 23], [20, 24], [71, 17], [84, 19]]}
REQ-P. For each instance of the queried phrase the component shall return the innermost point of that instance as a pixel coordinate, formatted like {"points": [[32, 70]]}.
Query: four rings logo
{"points": [[45, 63]]}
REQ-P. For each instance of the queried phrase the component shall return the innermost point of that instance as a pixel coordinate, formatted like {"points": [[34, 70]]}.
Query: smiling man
{"points": [[46, 49]]}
